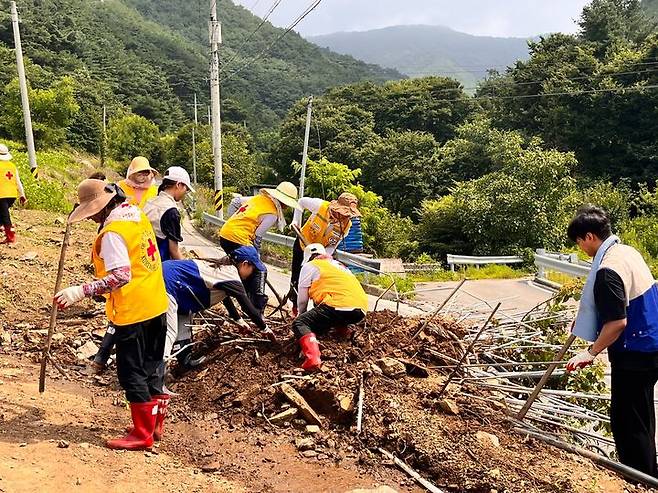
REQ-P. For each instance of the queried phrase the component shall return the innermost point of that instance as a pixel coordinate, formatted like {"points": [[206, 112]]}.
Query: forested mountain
{"points": [[428, 50], [651, 5], [150, 57]]}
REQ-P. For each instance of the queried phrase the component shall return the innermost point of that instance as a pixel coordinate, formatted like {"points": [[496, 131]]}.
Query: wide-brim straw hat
{"points": [[139, 163], [93, 196], [285, 192], [5, 155], [346, 205]]}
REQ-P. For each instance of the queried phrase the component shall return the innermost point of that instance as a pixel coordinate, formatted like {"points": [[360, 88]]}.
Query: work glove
{"points": [[581, 360], [267, 332], [22, 200], [66, 297]]}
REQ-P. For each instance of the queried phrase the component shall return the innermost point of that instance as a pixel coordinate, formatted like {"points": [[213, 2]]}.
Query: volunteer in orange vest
{"points": [[329, 224], [338, 299], [11, 189], [139, 185], [129, 275], [247, 226], [163, 212]]}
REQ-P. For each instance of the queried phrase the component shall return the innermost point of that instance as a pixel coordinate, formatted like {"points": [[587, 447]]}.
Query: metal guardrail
{"points": [[430, 267], [550, 263], [471, 260], [365, 263]]}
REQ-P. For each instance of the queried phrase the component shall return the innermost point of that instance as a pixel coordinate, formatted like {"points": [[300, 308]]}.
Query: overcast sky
{"points": [[522, 18]]}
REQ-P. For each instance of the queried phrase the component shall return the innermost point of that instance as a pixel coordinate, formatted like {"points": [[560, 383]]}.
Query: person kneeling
{"points": [[338, 298]]}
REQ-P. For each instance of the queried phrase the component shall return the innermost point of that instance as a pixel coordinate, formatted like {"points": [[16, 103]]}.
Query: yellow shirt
{"points": [[131, 194], [336, 286], [8, 180], [241, 227], [319, 229], [144, 297]]}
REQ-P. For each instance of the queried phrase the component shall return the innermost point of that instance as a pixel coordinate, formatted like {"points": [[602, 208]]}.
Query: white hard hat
{"points": [[179, 175], [5, 155], [313, 249]]}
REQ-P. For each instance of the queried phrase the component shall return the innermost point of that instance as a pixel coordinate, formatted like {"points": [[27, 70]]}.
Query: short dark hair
{"points": [[98, 175], [166, 183], [589, 219]]}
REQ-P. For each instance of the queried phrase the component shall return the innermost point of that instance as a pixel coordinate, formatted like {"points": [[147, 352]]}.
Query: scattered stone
{"points": [[84, 445], [60, 221], [322, 457], [62, 444], [487, 439], [5, 338], [309, 453], [346, 403], [494, 473], [449, 406], [312, 429], [237, 420], [304, 444], [211, 416], [284, 416], [86, 351], [298, 401], [22, 444], [28, 256], [58, 337], [376, 369], [392, 368], [211, 467]]}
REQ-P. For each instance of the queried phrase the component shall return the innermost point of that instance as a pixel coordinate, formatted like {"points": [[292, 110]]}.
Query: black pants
{"points": [[633, 419], [105, 349], [139, 354], [255, 284], [322, 318], [5, 204], [296, 268]]}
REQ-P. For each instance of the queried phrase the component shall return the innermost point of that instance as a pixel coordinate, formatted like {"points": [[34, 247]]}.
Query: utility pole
{"points": [[215, 40], [194, 142], [302, 178], [104, 136], [25, 100]]}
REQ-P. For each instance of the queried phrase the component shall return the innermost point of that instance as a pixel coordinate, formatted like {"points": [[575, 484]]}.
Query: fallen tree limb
{"points": [[417, 477]]}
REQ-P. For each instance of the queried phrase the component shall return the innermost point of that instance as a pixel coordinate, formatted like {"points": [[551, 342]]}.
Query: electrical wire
{"points": [[312, 6], [262, 23]]}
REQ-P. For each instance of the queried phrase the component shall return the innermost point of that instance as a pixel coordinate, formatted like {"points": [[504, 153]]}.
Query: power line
{"points": [[260, 55], [262, 23]]}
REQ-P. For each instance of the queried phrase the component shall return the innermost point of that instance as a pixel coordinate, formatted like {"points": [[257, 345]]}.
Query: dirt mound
{"points": [[459, 444]]}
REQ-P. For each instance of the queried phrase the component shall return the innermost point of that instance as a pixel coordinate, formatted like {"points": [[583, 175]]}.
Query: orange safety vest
{"points": [[144, 297], [131, 194], [8, 180], [319, 229], [337, 286], [241, 227]]}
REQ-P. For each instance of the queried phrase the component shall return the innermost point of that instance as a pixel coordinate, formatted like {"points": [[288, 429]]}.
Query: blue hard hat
{"points": [[249, 254]]}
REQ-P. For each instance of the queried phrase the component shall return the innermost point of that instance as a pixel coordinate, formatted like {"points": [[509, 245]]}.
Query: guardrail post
{"points": [[541, 272], [573, 258]]}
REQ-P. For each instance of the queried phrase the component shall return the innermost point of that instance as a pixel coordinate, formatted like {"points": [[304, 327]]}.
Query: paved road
{"points": [[193, 240]]}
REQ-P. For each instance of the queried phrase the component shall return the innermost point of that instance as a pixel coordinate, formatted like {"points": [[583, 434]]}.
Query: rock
{"points": [[376, 369], [322, 457], [84, 445], [22, 444], [449, 406], [312, 429], [62, 444], [284, 416], [237, 420], [58, 337], [60, 221], [211, 416], [86, 351], [487, 439], [309, 453], [304, 444], [28, 256], [5, 338], [391, 367], [346, 403], [211, 467], [298, 401], [495, 473], [381, 489]]}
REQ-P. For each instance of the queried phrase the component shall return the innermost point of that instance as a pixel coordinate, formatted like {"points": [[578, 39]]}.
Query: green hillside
{"points": [[419, 51], [150, 56], [651, 5]]}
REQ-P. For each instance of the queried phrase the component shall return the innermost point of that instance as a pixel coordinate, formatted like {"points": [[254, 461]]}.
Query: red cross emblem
{"points": [[242, 209], [150, 251], [9, 175]]}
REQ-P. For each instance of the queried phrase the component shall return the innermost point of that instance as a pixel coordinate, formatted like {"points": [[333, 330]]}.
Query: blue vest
{"points": [[182, 278], [641, 332]]}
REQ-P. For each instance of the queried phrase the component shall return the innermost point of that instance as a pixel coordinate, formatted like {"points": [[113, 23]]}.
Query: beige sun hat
{"points": [[139, 163], [285, 192], [5, 155], [346, 205], [93, 195]]}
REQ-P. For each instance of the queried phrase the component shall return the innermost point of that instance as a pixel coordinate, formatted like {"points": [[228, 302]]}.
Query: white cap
{"points": [[313, 249], [179, 175], [5, 155]]}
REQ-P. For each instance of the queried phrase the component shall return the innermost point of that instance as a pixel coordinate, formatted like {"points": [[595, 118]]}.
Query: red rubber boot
{"points": [[10, 235], [144, 415], [311, 350], [163, 404]]}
